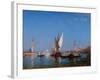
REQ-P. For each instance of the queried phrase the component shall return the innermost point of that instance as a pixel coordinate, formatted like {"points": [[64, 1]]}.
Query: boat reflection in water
{"points": [[32, 62]]}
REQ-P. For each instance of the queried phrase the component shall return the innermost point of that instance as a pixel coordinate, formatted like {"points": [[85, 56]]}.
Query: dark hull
{"points": [[40, 55], [73, 56]]}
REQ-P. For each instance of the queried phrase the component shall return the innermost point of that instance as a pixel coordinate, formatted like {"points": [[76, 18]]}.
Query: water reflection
{"points": [[31, 62]]}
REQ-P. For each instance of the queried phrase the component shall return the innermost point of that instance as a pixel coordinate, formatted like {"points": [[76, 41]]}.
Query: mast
{"points": [[32, 48]]}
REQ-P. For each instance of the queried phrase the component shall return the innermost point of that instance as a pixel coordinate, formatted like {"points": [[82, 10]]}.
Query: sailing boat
{"points": [[74, 52], [57, 46], [40, 54]]}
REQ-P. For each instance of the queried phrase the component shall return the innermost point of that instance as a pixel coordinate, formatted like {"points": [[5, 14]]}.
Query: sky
{"points": [[42, 27]]}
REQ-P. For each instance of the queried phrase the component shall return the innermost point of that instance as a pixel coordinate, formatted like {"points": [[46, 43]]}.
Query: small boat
{"points": [[74, 55], [40, 55], [70, 54], [46, 53], [65, 54]]}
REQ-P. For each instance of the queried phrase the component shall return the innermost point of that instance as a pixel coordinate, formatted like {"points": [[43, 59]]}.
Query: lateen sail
{"points": [[60, 41]]}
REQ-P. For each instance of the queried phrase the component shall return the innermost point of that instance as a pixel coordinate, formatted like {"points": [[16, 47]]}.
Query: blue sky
{"points": [[43, 26]]}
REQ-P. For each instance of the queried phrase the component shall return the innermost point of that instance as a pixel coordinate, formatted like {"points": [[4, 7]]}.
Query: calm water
{"points": [[30, 62]]}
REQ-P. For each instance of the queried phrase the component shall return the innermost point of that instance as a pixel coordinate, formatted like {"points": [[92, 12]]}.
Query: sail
{"points": [[60, 41]]}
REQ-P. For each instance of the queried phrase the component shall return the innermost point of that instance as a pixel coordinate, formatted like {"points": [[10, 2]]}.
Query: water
{"points": [[33, 62]]}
